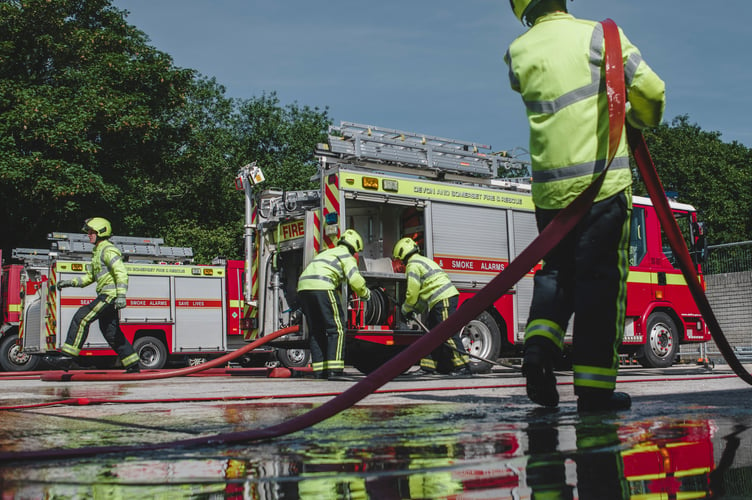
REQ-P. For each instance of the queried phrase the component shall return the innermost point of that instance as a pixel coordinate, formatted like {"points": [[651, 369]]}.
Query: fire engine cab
{"points": [[18, 278], [449, 197]]}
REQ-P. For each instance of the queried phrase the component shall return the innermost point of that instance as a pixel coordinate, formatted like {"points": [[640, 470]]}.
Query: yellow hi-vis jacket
{"points": [[427, 284], [107, 269], [327, 270], [557, 66]]}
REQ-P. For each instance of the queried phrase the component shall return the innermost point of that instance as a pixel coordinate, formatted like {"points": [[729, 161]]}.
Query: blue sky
{"points": [[435, 66]]}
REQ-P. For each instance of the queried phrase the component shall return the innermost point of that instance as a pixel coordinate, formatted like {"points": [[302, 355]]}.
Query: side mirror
{"points": [[700, 246]]}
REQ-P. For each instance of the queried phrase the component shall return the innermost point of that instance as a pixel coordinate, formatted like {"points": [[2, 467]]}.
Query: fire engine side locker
{"points": [[201, 312], [471, 262], [69, 300], [185, 303], [148, 303], [523, 229]]}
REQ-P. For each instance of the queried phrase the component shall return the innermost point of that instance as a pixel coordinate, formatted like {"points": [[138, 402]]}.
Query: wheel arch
{"points": [[157, 333], [667, 309], [503, 328]]}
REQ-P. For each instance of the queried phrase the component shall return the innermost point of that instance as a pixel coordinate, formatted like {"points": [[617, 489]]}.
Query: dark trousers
{"points": [[445, 358], [326, 327], [102, 309], [585, 275]]}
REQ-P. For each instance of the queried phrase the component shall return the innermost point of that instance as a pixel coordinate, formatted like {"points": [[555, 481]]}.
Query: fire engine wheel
{"points": [[482, 337], [661, 345], [294, 358], [13, 359], [366, 357], [151, 351]]}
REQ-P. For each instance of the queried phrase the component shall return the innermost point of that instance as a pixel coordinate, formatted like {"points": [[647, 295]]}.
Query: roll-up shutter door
{"points": [[469, 243], [524, 232]]}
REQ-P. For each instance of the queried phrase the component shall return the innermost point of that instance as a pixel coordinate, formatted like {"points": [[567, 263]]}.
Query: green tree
{"points": [[281, 139], [85, 108], [707, 173], [95, 121], [194, 202], [205, 210]]}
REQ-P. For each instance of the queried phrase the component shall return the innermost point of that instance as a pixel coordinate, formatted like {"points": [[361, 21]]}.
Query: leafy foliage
{"points": [[85, 108], [205, 212], [707, 173], [94, 121]]}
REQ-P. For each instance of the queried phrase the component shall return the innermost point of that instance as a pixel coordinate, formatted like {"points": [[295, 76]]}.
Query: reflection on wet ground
{"points": [[440, 445]]}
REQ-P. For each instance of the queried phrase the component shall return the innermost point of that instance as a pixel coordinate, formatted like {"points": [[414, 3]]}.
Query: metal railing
{"points": [[729, 258]]}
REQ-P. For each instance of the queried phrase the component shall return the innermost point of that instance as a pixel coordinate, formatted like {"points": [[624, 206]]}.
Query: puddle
{"points": [[467, 448]]}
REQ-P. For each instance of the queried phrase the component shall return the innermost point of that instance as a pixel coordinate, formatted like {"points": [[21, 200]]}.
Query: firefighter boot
{"points": [[597, 401], [59, 362], [462, 371], [422, 372], [540, 381], [134, 368]]}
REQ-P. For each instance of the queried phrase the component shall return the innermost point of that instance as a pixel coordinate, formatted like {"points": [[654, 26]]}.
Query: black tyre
{"points": [[151, 351], [482, 337], [661, 344], [367, 357], [13, 359], [294, 358]]}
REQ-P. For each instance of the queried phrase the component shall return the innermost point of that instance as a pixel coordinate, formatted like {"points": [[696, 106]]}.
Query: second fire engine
{"points": [[386, 184], [447, 195]]}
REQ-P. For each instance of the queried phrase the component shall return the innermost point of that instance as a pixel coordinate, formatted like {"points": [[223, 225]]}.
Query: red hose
{"points": [[153, 375], [98, 401]]}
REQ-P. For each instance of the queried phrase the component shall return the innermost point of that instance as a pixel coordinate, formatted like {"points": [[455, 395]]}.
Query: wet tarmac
{"points": [[687, 436]]}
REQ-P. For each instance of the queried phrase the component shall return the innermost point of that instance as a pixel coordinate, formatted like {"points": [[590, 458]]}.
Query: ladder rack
{"points": [[134, 248], [356, 142], [31, 256]]}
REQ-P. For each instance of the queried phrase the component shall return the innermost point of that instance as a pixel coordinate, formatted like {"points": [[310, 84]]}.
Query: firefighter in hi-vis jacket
{"points": [[108, 271], [429, 288], [317, 292], [558, 67]]}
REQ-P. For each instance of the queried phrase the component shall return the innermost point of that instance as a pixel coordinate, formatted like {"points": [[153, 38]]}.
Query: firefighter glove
{"points": [[65, 284], [120, 302]]}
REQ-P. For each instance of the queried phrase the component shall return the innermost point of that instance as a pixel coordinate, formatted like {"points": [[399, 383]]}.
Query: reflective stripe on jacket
{"points": [[557, 67], [427, 284], [327, 270], [107, 269]]}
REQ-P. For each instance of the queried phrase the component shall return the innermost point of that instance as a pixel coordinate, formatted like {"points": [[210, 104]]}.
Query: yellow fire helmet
{"points": [[352, 240], [404, 248], [522, 7], [99, 225]]}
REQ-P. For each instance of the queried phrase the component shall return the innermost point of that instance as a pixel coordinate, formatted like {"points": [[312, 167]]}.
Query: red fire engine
{"points": [[447, 195], [176, 311]]}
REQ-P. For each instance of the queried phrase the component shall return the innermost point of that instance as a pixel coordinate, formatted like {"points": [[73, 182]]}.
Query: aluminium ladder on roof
{"points": [[133, 248], [31, 256], [389, 146]]}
